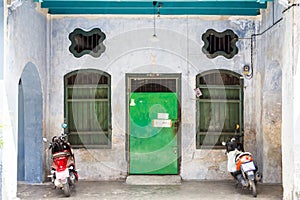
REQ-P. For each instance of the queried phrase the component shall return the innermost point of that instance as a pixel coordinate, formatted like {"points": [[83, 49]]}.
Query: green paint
{"points": [[153, 150]]}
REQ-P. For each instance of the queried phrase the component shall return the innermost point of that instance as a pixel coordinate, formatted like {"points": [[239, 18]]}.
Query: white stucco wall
{"points": [[268, 77], [1, 80], [296, 103], [43, 41], [130, 49], [286, 52], [25, 42], [287, 110], [296, 109]]}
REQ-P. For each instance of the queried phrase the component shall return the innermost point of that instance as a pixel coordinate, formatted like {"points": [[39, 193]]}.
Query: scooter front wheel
{"points": [[66, 188], [253, 188]]}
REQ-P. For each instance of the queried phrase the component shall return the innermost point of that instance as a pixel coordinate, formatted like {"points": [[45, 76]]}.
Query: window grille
{"points": [[153, 85], [216, 43], [87, 108], [90, 42], [219, 107]]}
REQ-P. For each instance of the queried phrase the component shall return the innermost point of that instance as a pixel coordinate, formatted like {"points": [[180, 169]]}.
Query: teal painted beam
{"points": [[169, 7], [245, 12], [206, 1], [149, 5]]}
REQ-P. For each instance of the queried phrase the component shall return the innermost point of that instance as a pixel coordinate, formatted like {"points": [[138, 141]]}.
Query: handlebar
{"points": [[234, 144]]}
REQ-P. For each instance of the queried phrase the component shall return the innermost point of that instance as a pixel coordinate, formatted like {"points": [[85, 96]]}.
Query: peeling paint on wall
{"points": [[130, 50]]}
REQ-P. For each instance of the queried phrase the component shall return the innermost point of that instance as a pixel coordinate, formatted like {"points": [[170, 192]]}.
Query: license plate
{"points": [[63, 174], [249, 166]]}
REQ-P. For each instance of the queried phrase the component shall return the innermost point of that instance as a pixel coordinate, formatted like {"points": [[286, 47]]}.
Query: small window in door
{"points": [[87, 108], [153, 85], [219, 107]]}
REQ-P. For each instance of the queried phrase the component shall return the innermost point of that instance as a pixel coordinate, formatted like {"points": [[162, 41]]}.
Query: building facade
{"points": [[164, 76]]}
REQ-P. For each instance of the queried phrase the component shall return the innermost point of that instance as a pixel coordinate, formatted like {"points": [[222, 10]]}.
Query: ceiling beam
{"points": [[166, 7], [246, 12], [149, 5]]}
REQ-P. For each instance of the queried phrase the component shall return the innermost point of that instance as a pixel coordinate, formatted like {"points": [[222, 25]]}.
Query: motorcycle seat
{"points": [[242, 154], [60, 154]]}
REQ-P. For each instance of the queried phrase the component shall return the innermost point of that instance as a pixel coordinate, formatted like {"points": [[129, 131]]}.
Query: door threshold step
{"points": [[153, 180]]}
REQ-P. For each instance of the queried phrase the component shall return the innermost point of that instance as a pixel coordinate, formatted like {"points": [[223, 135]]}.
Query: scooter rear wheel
{"points": [[66, 188], [253, 188]]}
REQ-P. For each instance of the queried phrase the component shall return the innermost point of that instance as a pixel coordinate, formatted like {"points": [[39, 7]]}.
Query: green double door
{"points": [[153, 142]]}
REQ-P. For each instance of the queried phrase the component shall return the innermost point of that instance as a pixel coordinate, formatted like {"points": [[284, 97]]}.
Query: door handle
{"points": [[175, 123]]}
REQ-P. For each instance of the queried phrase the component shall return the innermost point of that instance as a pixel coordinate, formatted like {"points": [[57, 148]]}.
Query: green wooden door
{"points": [[153, 133]]}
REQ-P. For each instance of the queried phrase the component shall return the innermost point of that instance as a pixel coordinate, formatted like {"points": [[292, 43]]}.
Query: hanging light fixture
{"points": [[154, 25], [158, 10]]}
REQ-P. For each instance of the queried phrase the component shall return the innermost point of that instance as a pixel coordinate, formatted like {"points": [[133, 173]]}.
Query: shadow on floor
{"points": [[210, 190]]}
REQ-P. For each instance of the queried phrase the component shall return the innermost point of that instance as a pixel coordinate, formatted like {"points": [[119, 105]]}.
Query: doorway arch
{"points": [[30, 126]]}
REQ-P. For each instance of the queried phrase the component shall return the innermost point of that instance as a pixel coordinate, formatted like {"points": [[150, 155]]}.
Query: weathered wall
{"points": [[282, 45], [268, 95], [1, 38], [289, 50], [296, 102], [287, 109], [130, 48], [1, 81], [291, 110], [25, 41]]}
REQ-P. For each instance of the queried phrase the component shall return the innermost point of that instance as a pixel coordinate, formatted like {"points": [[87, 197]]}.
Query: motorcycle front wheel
{"points": [[253, 188], [66, 189]]}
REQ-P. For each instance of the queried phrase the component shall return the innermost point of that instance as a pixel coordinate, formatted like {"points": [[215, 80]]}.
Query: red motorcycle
{"points": [[63, 171]]}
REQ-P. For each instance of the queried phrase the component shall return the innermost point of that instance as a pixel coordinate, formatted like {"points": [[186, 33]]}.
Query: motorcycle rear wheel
{"points": [[253, 188], [66, 189]]}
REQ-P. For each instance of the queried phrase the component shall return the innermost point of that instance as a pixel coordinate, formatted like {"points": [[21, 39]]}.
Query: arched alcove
{"points": [[30, 126]]}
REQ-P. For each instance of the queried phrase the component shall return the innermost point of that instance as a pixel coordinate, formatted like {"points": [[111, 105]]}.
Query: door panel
{"points": [[153, 133]]}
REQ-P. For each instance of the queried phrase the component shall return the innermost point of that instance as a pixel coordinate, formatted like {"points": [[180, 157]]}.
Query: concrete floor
{"points": [[87, 190]]}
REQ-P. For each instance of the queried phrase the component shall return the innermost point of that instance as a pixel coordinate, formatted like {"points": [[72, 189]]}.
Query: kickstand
{"points": [[236, 184]]}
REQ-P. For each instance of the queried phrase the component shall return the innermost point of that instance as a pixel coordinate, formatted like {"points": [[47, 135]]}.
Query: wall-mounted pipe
{"points": [[253, 36]]}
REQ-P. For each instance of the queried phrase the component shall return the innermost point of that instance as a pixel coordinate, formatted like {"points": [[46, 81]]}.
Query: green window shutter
{"points": [[219, 107], [87, 103]]}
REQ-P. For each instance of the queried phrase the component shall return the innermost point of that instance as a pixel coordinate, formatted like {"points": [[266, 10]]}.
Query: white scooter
{"points": [[241, 164]]}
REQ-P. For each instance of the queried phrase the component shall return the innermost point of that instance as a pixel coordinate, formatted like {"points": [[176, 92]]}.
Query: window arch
{"points": [[219, 107], [88, 108]]}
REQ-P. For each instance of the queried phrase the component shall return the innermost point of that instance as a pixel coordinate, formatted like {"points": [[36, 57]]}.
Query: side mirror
{"points": [[45, 140], [224, 143], [64, 126]]}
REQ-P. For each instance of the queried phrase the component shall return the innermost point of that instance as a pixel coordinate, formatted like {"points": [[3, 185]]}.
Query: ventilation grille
{"points": [[90, 42], [216, 44]]}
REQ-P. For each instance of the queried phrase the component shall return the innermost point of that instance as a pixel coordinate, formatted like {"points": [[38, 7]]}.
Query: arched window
{"points": [[219, 108], [87, 108]]}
